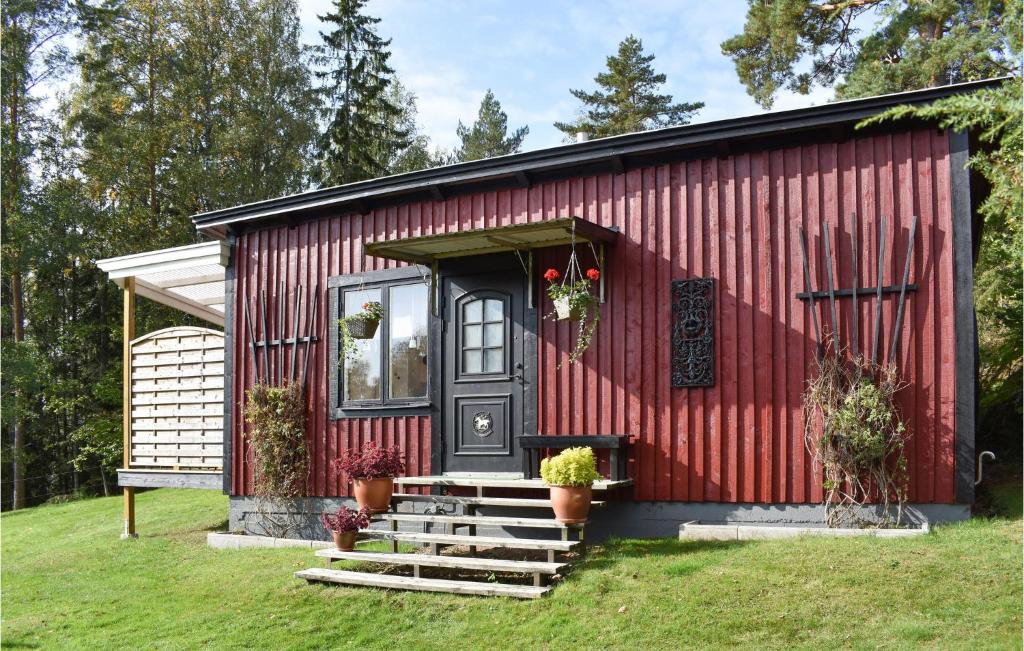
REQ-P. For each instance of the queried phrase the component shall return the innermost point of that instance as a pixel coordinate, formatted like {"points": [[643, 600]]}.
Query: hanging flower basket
{"points": [[568, 309], [574, 302], [362, 327]]}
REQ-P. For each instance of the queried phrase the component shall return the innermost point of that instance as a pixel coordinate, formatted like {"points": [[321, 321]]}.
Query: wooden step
{"points": [[478, 541], [499, 482], [481, 501], [481, 520], [424, 585], [461, 562]]}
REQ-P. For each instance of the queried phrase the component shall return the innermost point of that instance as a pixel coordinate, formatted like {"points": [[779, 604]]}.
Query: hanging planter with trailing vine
{"points": [[573, 301], [362, 325]]}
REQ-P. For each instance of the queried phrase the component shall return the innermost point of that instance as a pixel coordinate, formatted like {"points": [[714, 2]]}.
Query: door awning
{"points": [[481, 241]]}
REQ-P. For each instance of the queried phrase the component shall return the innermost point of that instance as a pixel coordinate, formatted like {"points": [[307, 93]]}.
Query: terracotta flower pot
{"points": [[346, 541], [374, 494], [571, 503]]}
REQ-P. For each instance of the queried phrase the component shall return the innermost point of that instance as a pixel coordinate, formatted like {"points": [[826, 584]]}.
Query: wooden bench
{"points": [[616, 444]]}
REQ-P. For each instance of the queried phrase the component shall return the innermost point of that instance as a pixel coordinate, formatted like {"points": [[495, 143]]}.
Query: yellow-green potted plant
{"points": [[570, 477]]}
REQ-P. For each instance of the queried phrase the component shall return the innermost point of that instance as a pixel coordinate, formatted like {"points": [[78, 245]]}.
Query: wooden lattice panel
{"points": [[178, 399]]}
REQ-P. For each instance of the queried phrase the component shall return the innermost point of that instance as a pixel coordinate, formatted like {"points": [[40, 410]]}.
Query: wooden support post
{"points": [[394, 542], [471, 509], [551, 556], [126, 403], [538, 580], [416, 571], [583, 540]]}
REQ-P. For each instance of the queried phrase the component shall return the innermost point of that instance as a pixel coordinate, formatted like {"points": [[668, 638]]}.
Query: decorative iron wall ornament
{"points": [[693, 332]]}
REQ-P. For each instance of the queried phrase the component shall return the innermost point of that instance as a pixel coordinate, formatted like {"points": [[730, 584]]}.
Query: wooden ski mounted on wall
{"points": [[833, 294], [279, 347]]}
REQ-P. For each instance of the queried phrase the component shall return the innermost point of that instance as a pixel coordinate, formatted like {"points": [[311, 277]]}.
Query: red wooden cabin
{"points": [[455, 255]]}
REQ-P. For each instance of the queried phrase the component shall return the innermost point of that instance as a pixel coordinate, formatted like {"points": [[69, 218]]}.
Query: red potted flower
{"points": [[574, 302], [344, 525], [372, 470]]}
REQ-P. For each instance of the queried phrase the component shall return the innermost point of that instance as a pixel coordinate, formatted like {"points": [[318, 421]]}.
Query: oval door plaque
{"points": [[483, 424]]}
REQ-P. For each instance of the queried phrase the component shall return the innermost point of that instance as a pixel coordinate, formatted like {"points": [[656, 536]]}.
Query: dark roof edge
{"points": [[576, 154]]}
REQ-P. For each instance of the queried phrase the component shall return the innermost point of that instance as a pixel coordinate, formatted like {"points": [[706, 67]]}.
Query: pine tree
{"points": [[488, 136], [913, 45], [629, 101], [362, 120], [30, 54]]}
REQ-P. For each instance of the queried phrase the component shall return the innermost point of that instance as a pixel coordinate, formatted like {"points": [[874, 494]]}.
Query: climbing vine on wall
{"points": [[854, 430], [277, 437]]}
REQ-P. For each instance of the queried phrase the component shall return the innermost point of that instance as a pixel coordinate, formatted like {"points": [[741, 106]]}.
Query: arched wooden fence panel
{"points": [[178, 399]]}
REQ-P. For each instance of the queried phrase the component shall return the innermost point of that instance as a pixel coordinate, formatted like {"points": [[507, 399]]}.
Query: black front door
{"points": [[486, 380]]}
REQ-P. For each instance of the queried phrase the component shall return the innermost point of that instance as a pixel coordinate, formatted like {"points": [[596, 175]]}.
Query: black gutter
{"points": [[594, 156]]}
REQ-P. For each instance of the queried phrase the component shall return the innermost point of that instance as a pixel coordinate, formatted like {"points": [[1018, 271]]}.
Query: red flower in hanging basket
{"points": [[593, 274], [366, 305], [551, 275]]}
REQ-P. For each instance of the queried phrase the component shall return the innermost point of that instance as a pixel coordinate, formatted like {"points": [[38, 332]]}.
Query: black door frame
{"points": [[499, 262]]}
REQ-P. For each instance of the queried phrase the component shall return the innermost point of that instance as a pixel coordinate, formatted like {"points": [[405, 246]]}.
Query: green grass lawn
{"points": [[69, 582]]}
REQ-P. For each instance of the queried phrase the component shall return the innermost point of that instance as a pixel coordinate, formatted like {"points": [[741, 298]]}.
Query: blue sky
{"points": [[531, 52]]}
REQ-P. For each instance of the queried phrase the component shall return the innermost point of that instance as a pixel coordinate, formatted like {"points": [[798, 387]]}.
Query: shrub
{"points": [[277, 416], [371, 462], [346, 519], [855, 432], [573, 467]]}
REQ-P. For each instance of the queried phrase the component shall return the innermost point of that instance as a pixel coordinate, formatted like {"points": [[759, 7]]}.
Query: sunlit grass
{"points": [[69, 582]]}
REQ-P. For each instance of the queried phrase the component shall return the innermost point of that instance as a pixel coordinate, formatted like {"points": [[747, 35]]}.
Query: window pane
{"points": [[471, 336], [494, 334], [493, 362], [362, 369], [471, 361], [407, 325], [472, 311], [494, 310]]}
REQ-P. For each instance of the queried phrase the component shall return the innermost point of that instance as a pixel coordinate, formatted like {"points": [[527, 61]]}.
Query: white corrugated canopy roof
{"points": [[188, 278]]}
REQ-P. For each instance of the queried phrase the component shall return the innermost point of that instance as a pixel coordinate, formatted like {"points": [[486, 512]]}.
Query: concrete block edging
{"points": [[694, 530]]}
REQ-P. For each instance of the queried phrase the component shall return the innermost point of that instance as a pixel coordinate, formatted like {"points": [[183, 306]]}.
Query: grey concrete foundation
{"points": [[625, 519]]}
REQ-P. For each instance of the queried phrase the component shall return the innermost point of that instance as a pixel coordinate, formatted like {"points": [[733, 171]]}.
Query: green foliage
{"points": [[855, 432], [364, 123], [277, 436], [629, 101], [571, 467], [488, 136], [994, 114], [799, 44], [582, 305], [414, 152]]}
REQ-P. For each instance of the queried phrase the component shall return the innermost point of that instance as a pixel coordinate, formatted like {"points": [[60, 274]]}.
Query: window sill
{"points": [[382, 411]]}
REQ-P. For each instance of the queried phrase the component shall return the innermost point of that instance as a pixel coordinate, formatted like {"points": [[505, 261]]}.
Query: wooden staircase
{"points": [[512, 566]]}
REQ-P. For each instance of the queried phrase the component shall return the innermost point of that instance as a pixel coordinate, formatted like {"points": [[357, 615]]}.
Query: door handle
{"points": [[518, 375]]}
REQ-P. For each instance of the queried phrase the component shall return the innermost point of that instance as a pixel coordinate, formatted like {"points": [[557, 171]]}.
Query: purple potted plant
{"points": [[372, 470], [344, 524]]}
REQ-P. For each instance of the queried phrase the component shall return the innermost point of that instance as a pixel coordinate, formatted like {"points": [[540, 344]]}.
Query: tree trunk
{"points": [[18, 469], [10, 195]]}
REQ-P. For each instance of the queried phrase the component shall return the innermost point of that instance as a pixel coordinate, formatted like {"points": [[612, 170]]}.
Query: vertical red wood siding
{"points": [[735, 219]]}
